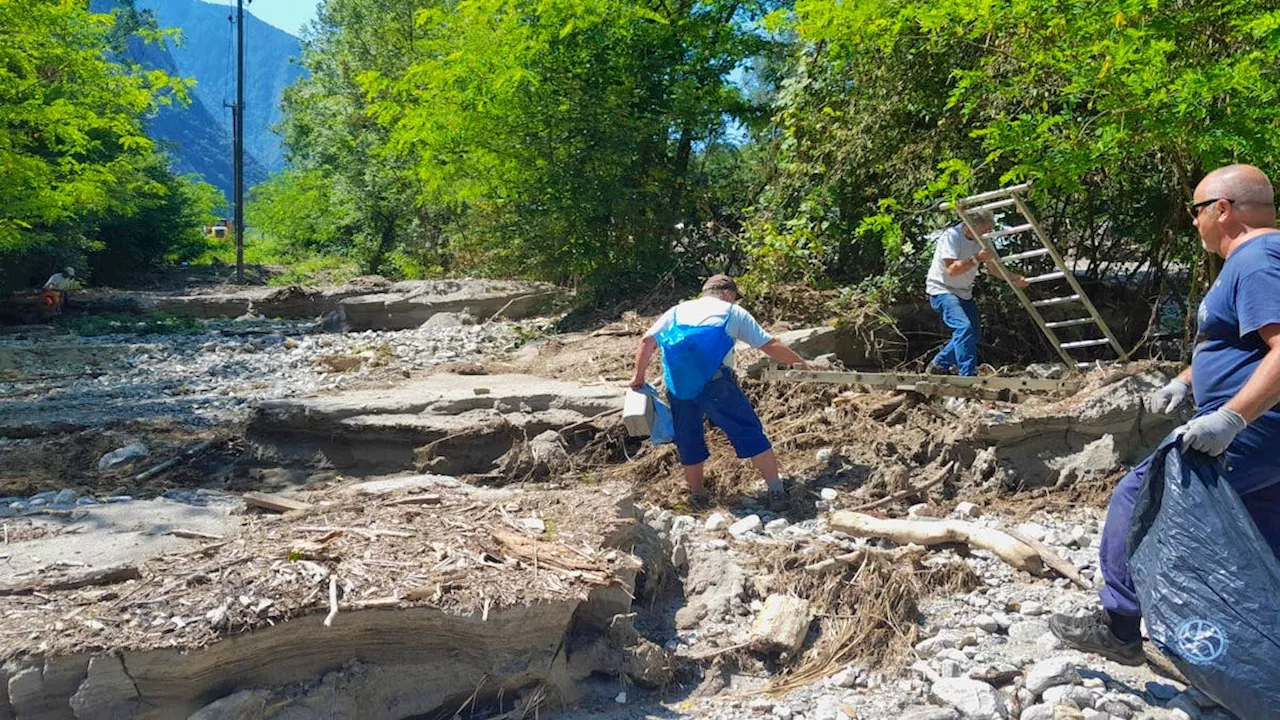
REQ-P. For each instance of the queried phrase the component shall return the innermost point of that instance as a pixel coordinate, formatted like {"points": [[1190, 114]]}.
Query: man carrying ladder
{"points": [[956, 258]]}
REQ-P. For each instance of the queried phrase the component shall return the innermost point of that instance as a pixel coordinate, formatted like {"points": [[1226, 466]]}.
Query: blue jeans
{"points": [[966, 332], [1118, 594]]}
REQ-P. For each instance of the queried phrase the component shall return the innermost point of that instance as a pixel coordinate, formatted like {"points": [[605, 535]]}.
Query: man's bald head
{"points": [[1230, 205], [1244, 184]]}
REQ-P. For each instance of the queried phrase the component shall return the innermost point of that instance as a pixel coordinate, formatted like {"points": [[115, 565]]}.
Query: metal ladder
{"points": [[1011, 197]]}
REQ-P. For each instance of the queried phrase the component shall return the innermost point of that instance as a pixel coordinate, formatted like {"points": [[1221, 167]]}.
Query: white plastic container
{"points": [[637, 413]]}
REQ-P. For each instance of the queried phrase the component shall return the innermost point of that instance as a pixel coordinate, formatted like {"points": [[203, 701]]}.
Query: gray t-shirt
{"points": [[952, 244], [712, 311]]}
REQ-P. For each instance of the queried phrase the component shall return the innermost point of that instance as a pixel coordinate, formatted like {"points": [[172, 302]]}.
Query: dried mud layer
{"points": [[317, 588]]}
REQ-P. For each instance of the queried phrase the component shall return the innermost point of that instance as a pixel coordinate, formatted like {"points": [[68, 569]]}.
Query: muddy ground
{"points": [[462, 406]]}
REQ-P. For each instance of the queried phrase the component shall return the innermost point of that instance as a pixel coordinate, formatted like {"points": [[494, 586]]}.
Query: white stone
{"points": [[1073, 695], [846, 678], [534, 524], [1027, 631], [781, 625], [929, 713], [680, 554], [1037, 712], [973, 698], [777, 526], [945, 640], [917, 509], [950, 669], [748, 524], [715, 522], [968, 510], [1079, 537], [782, 712], [761, 705], [621, 699], [1033, 531], [1032, 608], [1091, 714], [823, 455], [1048, 673], [1002, 619], [987, 623], [828, 494]]}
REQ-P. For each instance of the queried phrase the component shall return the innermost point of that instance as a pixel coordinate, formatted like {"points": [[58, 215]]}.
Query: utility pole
{"points": [[237, 130]]}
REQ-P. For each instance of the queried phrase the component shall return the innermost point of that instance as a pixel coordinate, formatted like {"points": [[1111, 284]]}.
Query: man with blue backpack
{"points": [[1234, 380], [697, 339]]}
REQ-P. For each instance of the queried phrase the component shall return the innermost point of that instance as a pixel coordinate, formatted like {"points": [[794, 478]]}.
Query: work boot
{"points": [[700, 500], [779, 499], [1092, 633]]}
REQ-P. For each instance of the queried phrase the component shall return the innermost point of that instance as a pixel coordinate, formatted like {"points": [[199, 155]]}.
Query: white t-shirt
{"points": [[952, 244], [58, 282], [712, 311]]}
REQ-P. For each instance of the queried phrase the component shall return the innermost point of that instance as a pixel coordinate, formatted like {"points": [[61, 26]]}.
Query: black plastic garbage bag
{"points": [[1208, 582]]}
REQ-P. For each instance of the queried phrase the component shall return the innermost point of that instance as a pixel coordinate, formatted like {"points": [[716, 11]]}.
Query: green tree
{"points": [[344, 194], [574, 141], [73, 150], [1114, 108]]}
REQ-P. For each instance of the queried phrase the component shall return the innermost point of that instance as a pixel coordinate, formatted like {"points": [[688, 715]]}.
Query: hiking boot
{"points": [[938, 370], [779, 500], [699, 501], [1092, 633]]}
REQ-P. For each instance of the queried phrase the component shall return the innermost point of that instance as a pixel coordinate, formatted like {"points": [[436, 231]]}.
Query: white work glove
{"points": [[1212, 433], [1169, 398]]}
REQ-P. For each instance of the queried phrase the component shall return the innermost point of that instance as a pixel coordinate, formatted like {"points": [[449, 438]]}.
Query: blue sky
{"points": [[288, 15]]}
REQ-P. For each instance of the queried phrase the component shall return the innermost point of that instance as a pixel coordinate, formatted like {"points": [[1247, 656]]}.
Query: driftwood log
{"points": [[940, 532]]}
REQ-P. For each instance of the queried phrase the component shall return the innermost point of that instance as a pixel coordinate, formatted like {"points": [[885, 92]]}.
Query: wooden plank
{"points": [[424, 499], [108, 575], [896, 380], [274, 503]]}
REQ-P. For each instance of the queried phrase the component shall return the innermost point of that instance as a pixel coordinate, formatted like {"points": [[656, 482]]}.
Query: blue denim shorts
{"points": [[723, 401]]}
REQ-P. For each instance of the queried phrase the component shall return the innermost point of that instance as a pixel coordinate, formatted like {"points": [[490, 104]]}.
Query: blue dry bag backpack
{"points": [[1208, 582], [692, 355]]}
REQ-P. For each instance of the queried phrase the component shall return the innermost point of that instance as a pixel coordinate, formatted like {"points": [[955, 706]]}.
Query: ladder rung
{"points": [[1009, 231], [1047, 277], [997, 204], [980, 197], [1069, 323], [1025, 255], [1084, 343], [1056, 301]]}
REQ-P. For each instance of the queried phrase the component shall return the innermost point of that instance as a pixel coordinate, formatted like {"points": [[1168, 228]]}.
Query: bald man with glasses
{"points": [[1234, 380]]}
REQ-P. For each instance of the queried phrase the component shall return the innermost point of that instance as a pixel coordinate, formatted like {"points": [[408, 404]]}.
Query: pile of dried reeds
{"points": [[867, 612]]}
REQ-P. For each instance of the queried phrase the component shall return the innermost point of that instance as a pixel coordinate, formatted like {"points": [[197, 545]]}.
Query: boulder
{"points": [[971, 698], [782, 625], [1049, 673]]}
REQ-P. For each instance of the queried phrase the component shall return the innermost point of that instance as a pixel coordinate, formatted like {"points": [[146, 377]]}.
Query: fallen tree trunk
{"points": [[924, 532], [109, 575]]}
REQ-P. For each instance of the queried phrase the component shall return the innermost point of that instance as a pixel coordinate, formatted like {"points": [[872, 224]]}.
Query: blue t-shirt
{"points": [[1245, 297]]}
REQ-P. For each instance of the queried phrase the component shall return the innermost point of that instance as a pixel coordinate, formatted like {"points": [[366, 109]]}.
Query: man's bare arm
{"points": [[1262, 391], [644, 354], [781, 352]]}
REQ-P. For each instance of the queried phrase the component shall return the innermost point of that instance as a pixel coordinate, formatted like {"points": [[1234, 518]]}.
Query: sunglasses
{"points": [[1195, 208]]}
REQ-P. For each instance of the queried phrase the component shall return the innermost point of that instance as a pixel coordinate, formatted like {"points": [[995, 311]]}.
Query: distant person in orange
{"points": [[55, 290]]}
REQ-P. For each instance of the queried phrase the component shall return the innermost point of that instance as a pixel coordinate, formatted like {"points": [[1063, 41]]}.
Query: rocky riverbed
{"points": [[297, 406]]}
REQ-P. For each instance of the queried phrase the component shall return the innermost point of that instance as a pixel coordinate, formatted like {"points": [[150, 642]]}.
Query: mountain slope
{"points": [[205, 53]]}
